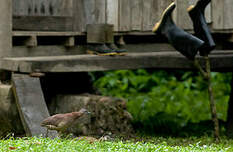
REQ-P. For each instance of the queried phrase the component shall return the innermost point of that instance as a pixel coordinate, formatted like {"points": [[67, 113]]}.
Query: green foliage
{"points": [[156, 98]]}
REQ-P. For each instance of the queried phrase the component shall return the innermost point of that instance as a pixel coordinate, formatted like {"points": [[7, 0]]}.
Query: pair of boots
{"points": [[184, 42], [100, 39]]}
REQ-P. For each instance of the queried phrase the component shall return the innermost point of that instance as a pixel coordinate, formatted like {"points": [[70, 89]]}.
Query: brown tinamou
{"points": [[60, 122]]}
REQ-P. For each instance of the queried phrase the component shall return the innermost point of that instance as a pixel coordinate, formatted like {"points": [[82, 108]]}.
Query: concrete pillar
{"points": [[9, 116], [5, 28]]}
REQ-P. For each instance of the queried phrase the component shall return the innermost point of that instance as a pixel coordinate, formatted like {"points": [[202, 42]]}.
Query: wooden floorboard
{"points": [[44, 33], [220, 61], [68, 33]]}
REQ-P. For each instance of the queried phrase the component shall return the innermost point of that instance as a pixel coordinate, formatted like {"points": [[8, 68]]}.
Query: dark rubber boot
{"points": [[119, 51], [109, 33], [185, 43], [197, 14], [96, 40], [100, 49]]}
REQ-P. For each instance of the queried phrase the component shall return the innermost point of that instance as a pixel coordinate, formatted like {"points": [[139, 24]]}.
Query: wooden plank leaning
{"points": [[31, 104]]}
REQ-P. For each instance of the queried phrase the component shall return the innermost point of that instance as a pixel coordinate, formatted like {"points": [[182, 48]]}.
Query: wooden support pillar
{"points": [[5, 28], [230, 39], [69, 41], [31, 41], [5, 32], [229, 126], [31, 104]]}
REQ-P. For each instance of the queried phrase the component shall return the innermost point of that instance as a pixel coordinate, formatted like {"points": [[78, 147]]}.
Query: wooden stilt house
{"points": [[48, 37]]}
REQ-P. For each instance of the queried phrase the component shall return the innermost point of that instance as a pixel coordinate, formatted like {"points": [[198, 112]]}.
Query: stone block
{"points": [[108, 115], [9, 116]]}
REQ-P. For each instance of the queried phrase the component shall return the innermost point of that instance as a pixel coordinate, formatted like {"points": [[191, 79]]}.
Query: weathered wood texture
{"points": [[79, 23], [112, 13], [126, 15], [30, 41], [42, 7], [56, 50], [222, 14], [100, 11], [43, 23], [31, 104], [44, 33], [47, 50], [147, 24], [50, 15], [181, 15], [83, 63], [136, 17], [5, 28]]}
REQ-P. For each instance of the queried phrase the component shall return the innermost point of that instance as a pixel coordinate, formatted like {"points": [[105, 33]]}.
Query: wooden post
{"points": [[229, 126], [212, 101], [5, 31], [5, 28]]}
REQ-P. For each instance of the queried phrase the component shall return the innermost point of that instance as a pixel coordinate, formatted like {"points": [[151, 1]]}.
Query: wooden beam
{"points": [[76, 33], [230, 39], [58, 50], [45, 33], [47, 50], [43, 23], [31, 104], [5, 28], [31, 41], [86, 63], [69, 41]]}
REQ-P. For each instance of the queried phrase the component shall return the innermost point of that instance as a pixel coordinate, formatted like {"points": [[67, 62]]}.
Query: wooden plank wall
{"points": [[147, 15], [79, 23], [222, 14], [112, 13], [181, 15], [126, 15], [48, 15], [136, 15], [89, 12], [42, 7], [140, 15]]}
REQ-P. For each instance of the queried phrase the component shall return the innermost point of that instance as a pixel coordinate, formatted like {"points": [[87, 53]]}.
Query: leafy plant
{"points": [[174, 96]]}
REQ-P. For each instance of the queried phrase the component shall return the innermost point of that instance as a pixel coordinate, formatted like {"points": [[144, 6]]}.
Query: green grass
{"points": [[146, 145]]}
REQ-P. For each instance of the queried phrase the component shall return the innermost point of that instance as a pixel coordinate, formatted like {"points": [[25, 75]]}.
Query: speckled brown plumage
{"points": [[60, 122]]}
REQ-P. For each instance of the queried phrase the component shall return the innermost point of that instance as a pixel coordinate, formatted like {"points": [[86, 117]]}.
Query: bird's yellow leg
{"points": [[51, 127], [47, 132]]}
